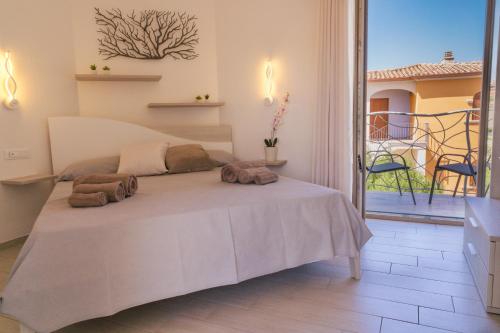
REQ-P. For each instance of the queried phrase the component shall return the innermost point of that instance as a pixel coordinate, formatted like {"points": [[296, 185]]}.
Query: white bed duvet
{"points": [[178, 234]]}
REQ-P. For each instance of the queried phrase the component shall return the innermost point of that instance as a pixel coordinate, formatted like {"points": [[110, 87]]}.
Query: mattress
{"points": [[178, 234]]}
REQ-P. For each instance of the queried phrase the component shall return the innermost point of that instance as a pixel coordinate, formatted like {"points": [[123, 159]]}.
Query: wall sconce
{"points": [[269, 84], [10, 83]]}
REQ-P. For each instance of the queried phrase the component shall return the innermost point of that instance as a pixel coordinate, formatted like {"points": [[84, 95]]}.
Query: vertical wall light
{"points": [[10, 84], [269, 84]]}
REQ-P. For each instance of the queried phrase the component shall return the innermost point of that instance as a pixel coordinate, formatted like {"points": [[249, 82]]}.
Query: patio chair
{"points": [[465, 168], [391, 166]]}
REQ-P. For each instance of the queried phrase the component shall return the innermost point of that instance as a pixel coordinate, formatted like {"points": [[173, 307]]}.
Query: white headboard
{"points": [[74, 139]]}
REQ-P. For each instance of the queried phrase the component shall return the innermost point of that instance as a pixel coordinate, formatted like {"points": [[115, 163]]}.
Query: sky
{"points": [[406, 32]]}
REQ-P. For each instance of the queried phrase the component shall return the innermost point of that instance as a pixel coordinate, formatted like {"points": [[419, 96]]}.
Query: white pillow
{"points": [[145, 159]]}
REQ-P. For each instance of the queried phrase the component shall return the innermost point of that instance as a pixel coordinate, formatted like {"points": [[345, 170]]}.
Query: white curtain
{"points": [[333, 144]]}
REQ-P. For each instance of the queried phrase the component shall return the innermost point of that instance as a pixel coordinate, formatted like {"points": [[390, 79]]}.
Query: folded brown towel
{"points": [[247, 176], [265, 177], [129, 181], [229, 173], [82, 200], [114, 191]]}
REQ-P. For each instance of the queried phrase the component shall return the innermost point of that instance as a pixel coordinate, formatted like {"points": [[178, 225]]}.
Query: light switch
{"points": [[16, 154]]}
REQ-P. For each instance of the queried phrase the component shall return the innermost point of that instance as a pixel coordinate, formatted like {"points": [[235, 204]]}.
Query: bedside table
{"points": [[27, 180], [276, 163], [482, 248]]}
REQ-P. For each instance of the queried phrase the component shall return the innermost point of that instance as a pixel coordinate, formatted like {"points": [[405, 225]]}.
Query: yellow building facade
{"points": [[428, 91]]}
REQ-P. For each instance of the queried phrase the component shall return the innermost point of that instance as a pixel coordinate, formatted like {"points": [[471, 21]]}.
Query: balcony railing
{"points": [[422, 139]]}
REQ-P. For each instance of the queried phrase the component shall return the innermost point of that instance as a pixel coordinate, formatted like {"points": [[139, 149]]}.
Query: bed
{"points": [[179, 234]]}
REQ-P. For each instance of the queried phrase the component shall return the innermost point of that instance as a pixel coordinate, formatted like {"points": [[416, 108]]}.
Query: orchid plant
{"points": [[277, 122]]}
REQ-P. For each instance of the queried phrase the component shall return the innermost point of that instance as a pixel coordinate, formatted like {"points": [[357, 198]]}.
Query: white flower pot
{"points": [[271, 154]]}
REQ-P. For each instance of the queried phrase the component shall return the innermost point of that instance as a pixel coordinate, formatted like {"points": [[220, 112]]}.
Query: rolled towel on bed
{"points": [[247, 176], [229, 173], [129, 181], [265, 177], [83, 200], [114, 191]]}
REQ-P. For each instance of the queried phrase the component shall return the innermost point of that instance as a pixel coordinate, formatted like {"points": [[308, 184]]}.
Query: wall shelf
{"points": [[26, 180], [186, 105], [117, 77], [276, 163]]}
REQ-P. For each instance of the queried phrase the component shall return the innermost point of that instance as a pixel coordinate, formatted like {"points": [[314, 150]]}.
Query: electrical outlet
{"points": [[16, 154]]}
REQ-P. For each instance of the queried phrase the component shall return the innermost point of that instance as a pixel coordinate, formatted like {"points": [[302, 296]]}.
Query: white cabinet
{"points": [[482, 248]]}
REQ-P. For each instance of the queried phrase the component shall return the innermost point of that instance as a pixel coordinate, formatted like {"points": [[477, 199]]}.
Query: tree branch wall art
{"points": [[148, 34]]}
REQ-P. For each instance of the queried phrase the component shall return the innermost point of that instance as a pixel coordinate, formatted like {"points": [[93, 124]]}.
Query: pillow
{"points": [[145, 159], [221, 157], [96, 165], [188, 158]]}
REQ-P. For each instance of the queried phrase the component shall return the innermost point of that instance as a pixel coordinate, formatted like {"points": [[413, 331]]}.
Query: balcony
{"points": [[422, 140]]}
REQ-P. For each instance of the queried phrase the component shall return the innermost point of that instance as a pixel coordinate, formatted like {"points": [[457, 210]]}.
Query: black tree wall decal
{"points": [[150, 34]]}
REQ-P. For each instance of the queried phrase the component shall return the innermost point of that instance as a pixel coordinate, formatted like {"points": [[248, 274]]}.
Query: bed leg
{"points": [[25, 329], [355, 265]]}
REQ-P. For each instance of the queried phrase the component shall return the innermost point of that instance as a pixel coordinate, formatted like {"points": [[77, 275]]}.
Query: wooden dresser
{"points": [[482, 248]]}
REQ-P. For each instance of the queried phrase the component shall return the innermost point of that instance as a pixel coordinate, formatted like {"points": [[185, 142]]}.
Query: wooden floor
{"points": [[443, 205], [415, 279]]}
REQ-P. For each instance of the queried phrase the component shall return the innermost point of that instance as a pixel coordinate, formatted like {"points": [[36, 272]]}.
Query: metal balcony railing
{"points": [[422, 139]]}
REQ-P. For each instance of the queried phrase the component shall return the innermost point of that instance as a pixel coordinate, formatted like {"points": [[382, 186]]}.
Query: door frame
{"points": [[360, 102], [485, 97], [359, 107]]}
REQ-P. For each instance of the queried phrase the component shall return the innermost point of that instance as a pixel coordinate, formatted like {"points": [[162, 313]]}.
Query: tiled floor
{"points": [[415, 279], [443, 205]]}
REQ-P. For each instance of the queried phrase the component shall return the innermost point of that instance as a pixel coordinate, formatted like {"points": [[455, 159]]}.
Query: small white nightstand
{"points": [[27, 180], [482, 248], [276, 163]]}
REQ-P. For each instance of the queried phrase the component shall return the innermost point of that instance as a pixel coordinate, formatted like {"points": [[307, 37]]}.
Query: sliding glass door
{"points": [[424, 101]]}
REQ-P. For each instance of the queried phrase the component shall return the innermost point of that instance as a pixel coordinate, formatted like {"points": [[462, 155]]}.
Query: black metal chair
{"points": [[391, 166], [465, 168]]}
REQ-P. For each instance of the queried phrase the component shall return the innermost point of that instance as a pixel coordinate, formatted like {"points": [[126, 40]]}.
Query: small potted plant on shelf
{"points": [[93, 69], [271, 149], [199, 99], [106, 70], [207, 97]]}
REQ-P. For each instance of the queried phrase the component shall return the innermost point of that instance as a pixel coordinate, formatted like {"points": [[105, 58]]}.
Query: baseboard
{"points": [[13, 242], [416, 218]]}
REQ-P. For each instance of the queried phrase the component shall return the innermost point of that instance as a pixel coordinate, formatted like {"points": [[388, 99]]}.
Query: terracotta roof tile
{"points": [[428, 71]]}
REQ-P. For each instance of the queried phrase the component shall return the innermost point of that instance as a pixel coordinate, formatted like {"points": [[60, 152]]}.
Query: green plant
{"points": [[207, 96], [199, 98], [386, 182], [93, 67], [106, 68], [271, 142]]}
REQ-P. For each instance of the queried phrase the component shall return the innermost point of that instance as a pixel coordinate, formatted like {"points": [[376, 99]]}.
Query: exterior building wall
{"points": [[399, 101], [438, 96]]}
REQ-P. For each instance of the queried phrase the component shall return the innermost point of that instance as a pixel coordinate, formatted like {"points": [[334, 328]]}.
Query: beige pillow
{"points": [[188, 158], [221, 157], [96, 165], [144, 159]]}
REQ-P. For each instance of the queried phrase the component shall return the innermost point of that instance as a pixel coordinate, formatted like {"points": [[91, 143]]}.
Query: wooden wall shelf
{"points": [[117, 77], [26, 180], [276, 163], [186, 105]]}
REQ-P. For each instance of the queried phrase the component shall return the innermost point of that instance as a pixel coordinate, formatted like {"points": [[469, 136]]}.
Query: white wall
{"points": [[248, 34], [182, 80], [236, 38], [39, 35]]}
